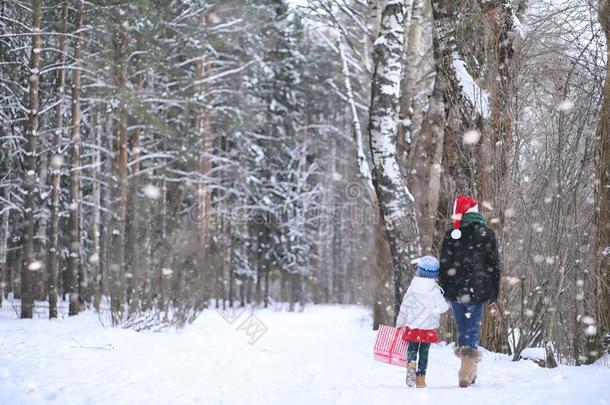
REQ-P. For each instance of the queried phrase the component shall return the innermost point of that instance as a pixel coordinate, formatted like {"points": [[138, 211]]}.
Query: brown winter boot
{"points": [[411, 373], [420, 381], [474, 375], [468, 369]]}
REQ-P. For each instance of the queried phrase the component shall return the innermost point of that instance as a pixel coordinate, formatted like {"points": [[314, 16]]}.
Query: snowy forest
{"points": [[164, 159]]}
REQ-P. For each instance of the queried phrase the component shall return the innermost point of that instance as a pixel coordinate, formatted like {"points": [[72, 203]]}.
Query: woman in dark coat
{"points": [[470, 277]]}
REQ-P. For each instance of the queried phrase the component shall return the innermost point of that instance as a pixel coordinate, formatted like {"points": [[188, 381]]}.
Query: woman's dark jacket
{"points": [[470, 266]]}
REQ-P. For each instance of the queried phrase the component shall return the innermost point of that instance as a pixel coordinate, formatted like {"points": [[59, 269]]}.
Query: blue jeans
{"points": [[422, 349], [468, 321]]}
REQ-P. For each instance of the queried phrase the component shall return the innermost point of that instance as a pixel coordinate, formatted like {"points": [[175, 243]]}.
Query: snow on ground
{"points": [[321, 356]]}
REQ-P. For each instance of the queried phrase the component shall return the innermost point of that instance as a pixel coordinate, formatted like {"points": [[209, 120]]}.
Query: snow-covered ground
{"points": [[321, 356]]}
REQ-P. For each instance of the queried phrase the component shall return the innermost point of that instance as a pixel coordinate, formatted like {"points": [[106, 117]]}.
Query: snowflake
{"points": [[57, 161], [565, 106], [471, 137], [35, 265], [151, 191]]}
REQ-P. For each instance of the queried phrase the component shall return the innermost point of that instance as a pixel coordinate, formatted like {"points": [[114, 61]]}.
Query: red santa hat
{"points": [[462, 205]]}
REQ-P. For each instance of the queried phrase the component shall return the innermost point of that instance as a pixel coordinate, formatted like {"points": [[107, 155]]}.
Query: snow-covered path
{"points": [[321, 356]]}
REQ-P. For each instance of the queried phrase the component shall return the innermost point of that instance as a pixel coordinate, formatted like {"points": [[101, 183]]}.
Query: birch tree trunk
{"points": [[362, 162], [408, 86], [397, 204], [382, 307], [602, 192], [77, 279], [29, 263]]}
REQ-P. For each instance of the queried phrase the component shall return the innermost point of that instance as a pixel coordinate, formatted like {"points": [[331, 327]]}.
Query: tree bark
{"points": [[77, 278], [462, 113], [374, 17], [4, 234], [133, 262], [56, 163], [266, 290], [397, 204], [362, 162], [97, 256], [106, 218], [432, 134], [496, 151], [29, 263], [203, 69], [383, 307], [117, 268], [408, 85], [602, 196]]}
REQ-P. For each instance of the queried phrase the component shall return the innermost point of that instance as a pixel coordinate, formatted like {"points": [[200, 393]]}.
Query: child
{"points": [[420, 314]]}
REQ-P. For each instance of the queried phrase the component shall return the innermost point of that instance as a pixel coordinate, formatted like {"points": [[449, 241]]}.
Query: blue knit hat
{"points": [[427, 267]]}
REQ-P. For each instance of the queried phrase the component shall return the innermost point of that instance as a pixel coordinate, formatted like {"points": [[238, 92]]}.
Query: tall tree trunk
{"points": [[132, 223], [383, 310], [292, 278], [231, 284], [38, 280], [433, 133], [462, 113], [362, 162], [4, 234], [397, 204], [457, 160], [374, 17], [495, 152], [56, 163], [266, 289], [96, 258], [408, 84], [383, 307], [602, 195], [77, 277], [257, 287], [107, 215], [203, 69], [492, 185], [120, 168], [28, 259]]}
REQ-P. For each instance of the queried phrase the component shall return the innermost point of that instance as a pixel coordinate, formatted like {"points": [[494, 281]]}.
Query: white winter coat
{"points": [[422, 305]]}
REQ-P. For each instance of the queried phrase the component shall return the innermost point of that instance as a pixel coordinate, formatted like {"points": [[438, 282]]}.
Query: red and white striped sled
{"points": [[390, 347]]}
